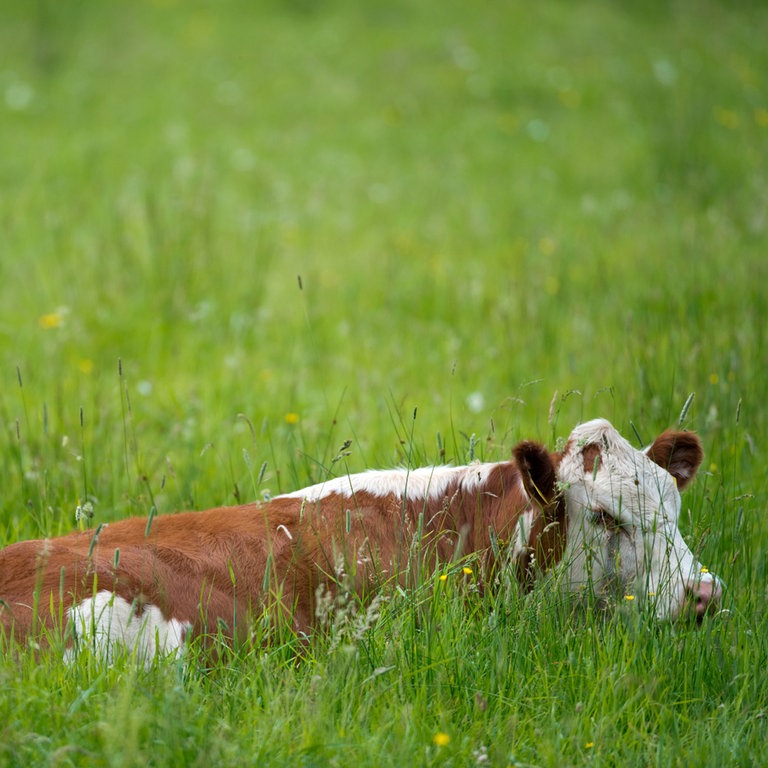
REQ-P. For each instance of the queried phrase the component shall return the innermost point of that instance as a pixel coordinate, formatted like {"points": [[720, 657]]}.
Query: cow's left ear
{"points": [[680, 453], [537, 471]]}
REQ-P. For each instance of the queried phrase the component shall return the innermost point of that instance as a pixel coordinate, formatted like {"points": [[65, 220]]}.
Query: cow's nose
{"points": [[703, 596]]}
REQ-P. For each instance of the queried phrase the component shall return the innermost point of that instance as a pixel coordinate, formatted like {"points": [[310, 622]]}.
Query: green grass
{"points": [[502, 218]]}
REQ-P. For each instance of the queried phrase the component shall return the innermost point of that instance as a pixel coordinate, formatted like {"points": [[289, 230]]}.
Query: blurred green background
{"points": [[500, 213]]}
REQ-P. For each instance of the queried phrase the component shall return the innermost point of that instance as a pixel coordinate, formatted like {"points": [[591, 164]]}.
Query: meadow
{"points": [[248, 246]]}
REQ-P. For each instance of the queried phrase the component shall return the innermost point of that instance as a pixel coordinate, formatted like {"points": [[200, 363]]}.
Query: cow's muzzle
{"points": [[702, 597]]}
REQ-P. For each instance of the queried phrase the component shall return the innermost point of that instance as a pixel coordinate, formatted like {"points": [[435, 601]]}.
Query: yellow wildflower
{"points": [[466, 570], [704, 569], [728, 118], [552, 285], [443, 577], [291, 418], [547, 245], [50, 320], [589, 745], [441, 739], [629, 597]]}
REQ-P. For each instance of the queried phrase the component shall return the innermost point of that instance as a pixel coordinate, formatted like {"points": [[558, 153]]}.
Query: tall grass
{"points": [[250, 246]]}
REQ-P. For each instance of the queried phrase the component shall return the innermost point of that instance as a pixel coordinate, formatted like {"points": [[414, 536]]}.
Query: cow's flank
{"points": [[600, 511]]}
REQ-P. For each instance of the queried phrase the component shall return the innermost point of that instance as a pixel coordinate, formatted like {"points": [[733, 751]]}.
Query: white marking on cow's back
{"points": [[108, 622], [422, 483]]}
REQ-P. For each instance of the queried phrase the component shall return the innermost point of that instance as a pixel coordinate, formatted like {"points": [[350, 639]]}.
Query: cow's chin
{"points": [[608, 592], [674, 603]]}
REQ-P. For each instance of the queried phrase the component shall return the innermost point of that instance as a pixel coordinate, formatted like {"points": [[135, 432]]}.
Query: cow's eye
{"points": [[604, 519]]}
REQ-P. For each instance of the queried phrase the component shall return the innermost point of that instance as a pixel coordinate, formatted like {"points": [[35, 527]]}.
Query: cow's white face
{"points": [[623, 507]]}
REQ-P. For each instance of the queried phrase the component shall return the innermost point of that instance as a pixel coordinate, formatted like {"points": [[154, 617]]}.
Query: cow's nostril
{"points": [[703, 595]]}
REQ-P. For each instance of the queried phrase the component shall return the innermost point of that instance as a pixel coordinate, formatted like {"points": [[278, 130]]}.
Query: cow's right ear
{"points": [[537, 471]]}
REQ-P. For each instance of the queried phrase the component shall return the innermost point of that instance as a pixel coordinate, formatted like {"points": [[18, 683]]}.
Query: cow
{"points": [[599, 512]]}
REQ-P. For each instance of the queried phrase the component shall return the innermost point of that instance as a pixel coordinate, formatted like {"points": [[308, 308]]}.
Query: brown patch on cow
{"points": [[590, 453], [546, 543]]}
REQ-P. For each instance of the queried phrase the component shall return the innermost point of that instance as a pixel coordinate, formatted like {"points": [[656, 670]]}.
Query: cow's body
{"points": [[607, 510]]}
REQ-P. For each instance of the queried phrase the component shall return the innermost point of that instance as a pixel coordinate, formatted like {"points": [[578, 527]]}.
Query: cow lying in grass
{"points": [[600, 510]]}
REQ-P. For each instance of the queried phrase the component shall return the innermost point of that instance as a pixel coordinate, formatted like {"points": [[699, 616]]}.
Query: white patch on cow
{"points": [[522, 540], [641, 548], [107, 623], [424, 483]]}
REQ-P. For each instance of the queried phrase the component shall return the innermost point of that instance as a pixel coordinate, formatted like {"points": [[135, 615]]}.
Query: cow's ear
{"points": [[680, 453], [537, 471]]}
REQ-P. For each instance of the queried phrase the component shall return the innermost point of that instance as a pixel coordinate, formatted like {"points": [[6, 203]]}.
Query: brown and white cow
{"points": [[604, 513]]}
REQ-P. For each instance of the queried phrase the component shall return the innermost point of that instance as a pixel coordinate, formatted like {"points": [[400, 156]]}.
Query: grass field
{"points": [[236, 235]]}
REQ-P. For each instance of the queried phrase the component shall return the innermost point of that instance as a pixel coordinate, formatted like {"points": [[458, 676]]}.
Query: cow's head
{"points": [[622, 508]]}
